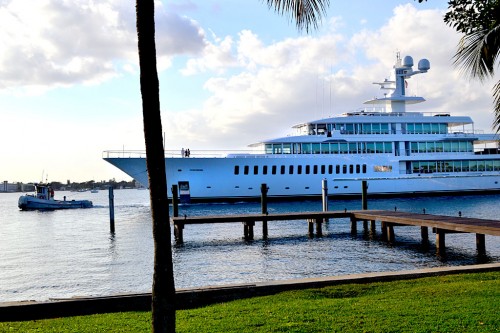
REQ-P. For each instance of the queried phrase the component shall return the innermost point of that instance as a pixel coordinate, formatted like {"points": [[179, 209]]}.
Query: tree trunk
{"points": [[163, 290]]}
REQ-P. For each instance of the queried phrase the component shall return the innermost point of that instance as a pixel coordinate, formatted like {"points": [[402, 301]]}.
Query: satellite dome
{"points": [[424, 65], [408, 61]]}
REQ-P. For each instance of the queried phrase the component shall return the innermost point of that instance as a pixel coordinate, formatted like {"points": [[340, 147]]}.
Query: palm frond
{"points": [[306, 13], [496, 110], [477, 53]]}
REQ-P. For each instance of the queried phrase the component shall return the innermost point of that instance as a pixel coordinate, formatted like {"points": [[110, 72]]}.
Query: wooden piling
{"points": [[354, 225], [178, 232], [364, 195], [383, 229], [175, 200], [391, 237], [440, 241], [319, 229], [310, 225], [111, 210], [481, 244], [263, 205], [248, 230], [424, 232], [324, 195]]}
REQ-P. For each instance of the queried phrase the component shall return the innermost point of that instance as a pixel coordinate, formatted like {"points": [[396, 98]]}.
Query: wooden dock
{"points": [[441, 225]]}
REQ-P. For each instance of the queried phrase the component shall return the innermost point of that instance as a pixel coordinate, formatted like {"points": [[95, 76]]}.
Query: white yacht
{"points": [[395, 151]]}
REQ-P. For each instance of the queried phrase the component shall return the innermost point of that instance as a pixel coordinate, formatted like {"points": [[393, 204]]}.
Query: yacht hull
{"points": [[214, 179]]}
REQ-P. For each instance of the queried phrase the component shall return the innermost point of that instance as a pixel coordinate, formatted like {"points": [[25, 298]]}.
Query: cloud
{"points": [[50, 43], [214, 57]]}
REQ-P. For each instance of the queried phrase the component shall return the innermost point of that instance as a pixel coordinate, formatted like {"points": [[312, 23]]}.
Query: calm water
{"points": [[61, 254]]}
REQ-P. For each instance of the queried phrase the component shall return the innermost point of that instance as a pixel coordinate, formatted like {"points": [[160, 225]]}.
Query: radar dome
{"points": [[424, 65], [408, 61]]}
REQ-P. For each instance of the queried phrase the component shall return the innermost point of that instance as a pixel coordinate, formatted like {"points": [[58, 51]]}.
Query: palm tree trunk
{"points": [[163, 290]]}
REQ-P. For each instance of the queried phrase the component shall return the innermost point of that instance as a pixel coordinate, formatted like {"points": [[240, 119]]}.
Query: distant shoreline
{"points": [[20, 187]]}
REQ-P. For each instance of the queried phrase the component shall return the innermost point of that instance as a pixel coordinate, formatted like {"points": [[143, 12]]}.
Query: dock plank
{"points": [[460, 224], [258, 217]]}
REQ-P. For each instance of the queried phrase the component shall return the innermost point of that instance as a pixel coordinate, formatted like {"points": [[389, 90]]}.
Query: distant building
{"points": [[5, 187]]}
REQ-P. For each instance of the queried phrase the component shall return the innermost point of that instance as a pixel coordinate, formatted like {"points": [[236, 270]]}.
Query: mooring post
{"points": [[111, 210], [324, 196], [175, 200], [480, 244], [263, 205], [364, 195]]}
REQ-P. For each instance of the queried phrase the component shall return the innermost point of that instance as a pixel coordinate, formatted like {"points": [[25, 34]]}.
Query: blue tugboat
{"points": [[43, 199]]}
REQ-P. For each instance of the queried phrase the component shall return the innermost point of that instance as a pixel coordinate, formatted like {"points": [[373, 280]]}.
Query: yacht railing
{"points": [[179, 153], [260, 154], [450, 133], [380, 111]]}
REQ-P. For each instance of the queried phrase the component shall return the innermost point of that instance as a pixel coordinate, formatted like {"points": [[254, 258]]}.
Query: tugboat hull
{"points": [[27, 202]]}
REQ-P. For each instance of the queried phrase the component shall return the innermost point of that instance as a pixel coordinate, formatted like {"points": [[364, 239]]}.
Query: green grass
{"points": [[453, 303]]}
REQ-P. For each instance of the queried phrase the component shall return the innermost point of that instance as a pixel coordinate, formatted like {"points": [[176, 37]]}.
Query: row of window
{"points": [[363, 128], [455, 166], [377, 128], [301, 169], [415, 167], [330, 148], [426, 128], [441, 146]]}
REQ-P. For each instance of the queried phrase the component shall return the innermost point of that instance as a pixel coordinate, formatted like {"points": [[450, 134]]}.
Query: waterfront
{"points": [[71, 253]]}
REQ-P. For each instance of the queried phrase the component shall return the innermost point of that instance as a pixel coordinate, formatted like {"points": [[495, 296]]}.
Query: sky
{"points": [[232, 73]]}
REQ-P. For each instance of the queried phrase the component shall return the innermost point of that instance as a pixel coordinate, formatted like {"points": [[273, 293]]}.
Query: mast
{"points": [[397, 101]]}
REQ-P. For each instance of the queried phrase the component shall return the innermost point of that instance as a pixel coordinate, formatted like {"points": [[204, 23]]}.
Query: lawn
{"points": [[452, 303]]}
